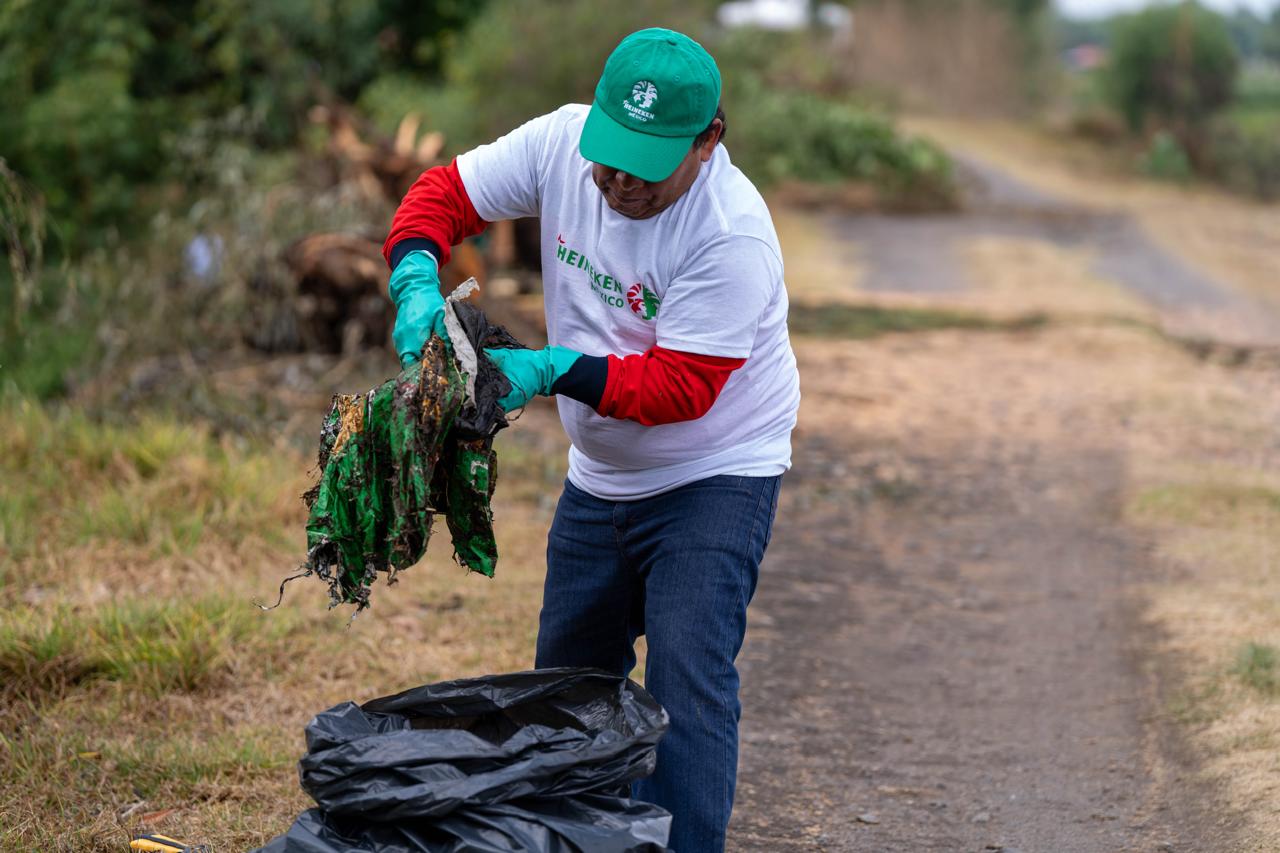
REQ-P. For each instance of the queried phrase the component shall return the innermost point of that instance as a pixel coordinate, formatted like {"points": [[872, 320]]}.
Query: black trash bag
{"points": [[539, 760]]}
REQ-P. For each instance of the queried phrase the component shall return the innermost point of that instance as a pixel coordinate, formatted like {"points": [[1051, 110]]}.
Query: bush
{"points": [[1165, 159], [1172, 67], [92, 93], [1247, 159], [780, 135], [778, 127], [515, 64]]}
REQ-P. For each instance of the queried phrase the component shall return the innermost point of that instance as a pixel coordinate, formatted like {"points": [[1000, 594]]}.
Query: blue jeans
{"points": [[680, 568]]}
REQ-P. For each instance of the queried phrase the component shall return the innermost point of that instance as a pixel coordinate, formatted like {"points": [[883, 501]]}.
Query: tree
{"points": [[94, 93], [1172, 68], [1271, 37]]}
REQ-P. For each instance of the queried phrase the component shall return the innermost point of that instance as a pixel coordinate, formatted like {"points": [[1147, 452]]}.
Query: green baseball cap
{"points": [[659, 90]]}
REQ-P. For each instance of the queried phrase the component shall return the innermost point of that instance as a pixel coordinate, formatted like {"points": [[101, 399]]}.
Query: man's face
{"points": [[637, 199]]}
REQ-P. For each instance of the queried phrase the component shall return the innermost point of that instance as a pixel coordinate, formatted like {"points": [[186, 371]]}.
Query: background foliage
{"points": [[1173, 66], [95, 97]]}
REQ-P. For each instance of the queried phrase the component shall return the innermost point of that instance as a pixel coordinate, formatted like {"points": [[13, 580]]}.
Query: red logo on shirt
{"points": [[643, 301]]}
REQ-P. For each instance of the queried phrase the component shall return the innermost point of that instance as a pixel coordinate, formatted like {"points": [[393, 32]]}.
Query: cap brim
{"points": [[647, 157]]}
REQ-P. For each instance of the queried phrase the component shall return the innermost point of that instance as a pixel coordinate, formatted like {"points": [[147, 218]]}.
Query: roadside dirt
{"points": [[945, 650], [948, 650]]}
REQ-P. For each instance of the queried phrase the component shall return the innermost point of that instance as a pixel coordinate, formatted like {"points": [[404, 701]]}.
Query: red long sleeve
{"points": [[436, 208], [664, 386]]}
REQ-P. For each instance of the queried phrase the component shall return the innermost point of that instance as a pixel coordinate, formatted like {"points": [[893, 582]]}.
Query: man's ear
{"points": [[706, 149]]}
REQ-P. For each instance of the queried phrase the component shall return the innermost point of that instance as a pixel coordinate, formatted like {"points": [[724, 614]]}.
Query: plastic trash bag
{"points": [[539, 760]]}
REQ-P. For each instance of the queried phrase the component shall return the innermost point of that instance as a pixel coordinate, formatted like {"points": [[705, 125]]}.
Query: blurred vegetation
{"points": [[1245, 142], [1256, 666], [108, 308], [787, 122], [1166, 159], [859, 322], [1196, 92], [100, 100], [1172, 67], [137, 137], [788, 114], [95, 97]]}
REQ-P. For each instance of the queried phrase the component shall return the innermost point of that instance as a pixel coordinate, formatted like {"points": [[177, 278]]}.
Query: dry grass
{"points": [[816, 274], [1208, 492], [141, 687], [1016, 277]]}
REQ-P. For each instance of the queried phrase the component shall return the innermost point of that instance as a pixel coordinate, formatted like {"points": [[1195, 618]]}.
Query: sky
{"points": [[1098, 8]]}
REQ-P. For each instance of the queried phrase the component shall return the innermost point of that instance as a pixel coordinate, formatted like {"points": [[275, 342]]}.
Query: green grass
{"points": [[1258, 665], [1196, 705], [868, 321], [46, 335], [156, 766], [156, 482], [150, 647], [1258, 90], [1209, 504]]}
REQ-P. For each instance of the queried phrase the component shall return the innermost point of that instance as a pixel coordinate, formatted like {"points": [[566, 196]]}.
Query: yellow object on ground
{"points": [[164, 844]]}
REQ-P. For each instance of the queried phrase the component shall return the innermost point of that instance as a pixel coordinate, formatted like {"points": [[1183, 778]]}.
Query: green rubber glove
{"points": [[415, 289], [531, 371]]}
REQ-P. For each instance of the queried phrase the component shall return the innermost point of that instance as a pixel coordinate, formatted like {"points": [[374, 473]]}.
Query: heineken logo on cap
{"points": [[643, 94]]}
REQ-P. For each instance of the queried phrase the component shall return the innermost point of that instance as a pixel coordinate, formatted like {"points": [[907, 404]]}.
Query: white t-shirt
{"points": [[703, 276]]}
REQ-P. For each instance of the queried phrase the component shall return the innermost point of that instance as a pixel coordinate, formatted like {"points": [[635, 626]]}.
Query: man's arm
{"points": [[660, 386], [435, 215], [438, 213]]}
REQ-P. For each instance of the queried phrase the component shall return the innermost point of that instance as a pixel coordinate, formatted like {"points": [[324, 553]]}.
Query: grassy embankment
{"points": [[140, 687]]}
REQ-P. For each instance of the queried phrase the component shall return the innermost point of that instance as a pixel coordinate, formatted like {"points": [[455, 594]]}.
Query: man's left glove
{"points": [[415, 290], [531, 371]]}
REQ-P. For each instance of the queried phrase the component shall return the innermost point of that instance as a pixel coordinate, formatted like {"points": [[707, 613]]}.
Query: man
{"points": [[674, 376]]}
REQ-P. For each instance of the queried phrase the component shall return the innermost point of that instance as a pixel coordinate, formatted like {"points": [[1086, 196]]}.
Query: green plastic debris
{"points": [[390, 460]]}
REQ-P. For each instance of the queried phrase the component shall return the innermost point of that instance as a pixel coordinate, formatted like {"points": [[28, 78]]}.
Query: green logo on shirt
{"points": [[642, 301]]}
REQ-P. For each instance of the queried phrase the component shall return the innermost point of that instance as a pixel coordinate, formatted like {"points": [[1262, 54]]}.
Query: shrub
{"points": [[1165, 159], [1247, 160], [91, 93], [778, 127], [778, 135], [1172, 67], [514, 64]]}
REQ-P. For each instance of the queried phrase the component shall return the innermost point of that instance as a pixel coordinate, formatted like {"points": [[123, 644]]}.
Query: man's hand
{"points": [[415, 290], [531, 372]]}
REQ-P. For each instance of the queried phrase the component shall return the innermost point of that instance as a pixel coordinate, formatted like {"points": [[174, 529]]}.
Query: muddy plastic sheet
{"points": [[538, 760], [390, 460]]}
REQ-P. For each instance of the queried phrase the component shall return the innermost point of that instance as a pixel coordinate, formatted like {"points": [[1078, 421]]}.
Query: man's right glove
{"points": [[415, 290]]}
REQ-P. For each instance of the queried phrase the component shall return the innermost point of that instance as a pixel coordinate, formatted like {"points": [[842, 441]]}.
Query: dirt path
{"points": [[917, 255], [946, 652], [941, 657]]}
